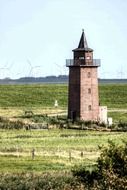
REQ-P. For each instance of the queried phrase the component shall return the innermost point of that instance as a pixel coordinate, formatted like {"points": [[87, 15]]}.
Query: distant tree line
{"points": [[52, 79]]}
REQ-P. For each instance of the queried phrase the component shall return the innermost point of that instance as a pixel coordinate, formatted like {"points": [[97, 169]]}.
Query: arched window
{"points": [[89, 90], [88, 57], [89, 74], [89, 108], [81, 58]]}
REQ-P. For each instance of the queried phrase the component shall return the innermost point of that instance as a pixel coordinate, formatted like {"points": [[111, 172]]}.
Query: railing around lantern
{"points": [[83, 62]]}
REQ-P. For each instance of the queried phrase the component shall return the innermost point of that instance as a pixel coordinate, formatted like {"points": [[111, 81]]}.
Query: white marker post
{"points": [[56, 104]]}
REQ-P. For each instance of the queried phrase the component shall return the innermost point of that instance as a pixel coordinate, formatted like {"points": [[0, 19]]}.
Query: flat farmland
{"points": [[54, 149]]}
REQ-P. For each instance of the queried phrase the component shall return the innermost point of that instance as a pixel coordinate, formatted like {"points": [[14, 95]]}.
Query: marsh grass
{"points": [[52, 148]]}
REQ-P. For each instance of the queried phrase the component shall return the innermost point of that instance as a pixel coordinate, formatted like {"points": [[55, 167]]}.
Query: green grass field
{"points": [[55, 150], [113, 95], [44, 95], [40, 98], [33, 95]]}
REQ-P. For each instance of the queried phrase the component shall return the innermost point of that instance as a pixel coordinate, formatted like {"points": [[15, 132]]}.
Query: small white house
{"points": [[103, 114]]}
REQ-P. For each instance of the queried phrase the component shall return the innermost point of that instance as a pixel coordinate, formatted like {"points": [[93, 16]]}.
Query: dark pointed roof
{"points": [[83, 42], [83, 46]]}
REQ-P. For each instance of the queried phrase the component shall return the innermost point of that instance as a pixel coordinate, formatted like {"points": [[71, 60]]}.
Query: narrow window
{"points": [[89, 90], [81, 58], [88, 57], [89, 108], [89, 74]]}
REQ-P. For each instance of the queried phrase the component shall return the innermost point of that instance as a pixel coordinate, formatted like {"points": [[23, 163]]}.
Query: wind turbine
{"points": [[5, 68], [104, 75], [120, 73], [32, 68], [61, 68]]}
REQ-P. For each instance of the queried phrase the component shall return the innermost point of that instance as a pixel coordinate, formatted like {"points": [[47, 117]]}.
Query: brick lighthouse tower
{"points": [[83, 99]]}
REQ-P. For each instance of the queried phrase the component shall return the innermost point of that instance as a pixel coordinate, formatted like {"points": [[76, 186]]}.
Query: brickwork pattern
{"points": [[89, 80], [74, 92]]}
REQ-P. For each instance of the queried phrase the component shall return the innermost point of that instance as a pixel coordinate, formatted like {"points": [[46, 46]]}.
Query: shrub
{"points": [[38, 182], [110, 171], [122, 126], [6, 124]]}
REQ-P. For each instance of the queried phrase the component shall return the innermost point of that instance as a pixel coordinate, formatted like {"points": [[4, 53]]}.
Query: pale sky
{"points": [[37, 36]]}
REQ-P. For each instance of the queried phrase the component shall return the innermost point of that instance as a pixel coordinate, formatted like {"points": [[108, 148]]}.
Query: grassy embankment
{"points": [[15, 99], [114, 96]]}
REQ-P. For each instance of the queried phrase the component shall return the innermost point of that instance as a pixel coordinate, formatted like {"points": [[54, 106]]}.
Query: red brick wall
{"points": [[83, 93], [89, 80], [74, 91]]}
